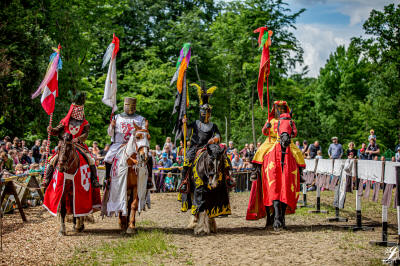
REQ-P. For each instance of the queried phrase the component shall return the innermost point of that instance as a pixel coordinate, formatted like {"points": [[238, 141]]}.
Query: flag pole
{"points": [[47, 147], [184, 139]]}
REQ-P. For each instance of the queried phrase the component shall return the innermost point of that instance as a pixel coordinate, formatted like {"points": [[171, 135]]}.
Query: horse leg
{"points": [[283, 211], [134, 207], [123, 222], [63, 213], [269, 220], [80, 224], [74, 223], [213, 225], [203, 225], [277, 218]]}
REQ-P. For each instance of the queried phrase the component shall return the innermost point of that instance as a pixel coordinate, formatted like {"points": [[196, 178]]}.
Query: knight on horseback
{"points": [[120, 130], [278, 164], [75, 124], [205, 159]]}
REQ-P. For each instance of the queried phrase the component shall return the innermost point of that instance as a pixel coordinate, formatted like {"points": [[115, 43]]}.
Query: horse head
{"points": [[285, 130], [65, 153], [139, 143], [215, 163]]}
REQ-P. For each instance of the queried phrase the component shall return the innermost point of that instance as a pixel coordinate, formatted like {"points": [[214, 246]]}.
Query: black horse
{"points": [[209, 188]]}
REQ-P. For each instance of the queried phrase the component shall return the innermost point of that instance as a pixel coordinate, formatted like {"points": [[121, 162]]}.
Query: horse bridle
{"points": [[73, 146]]}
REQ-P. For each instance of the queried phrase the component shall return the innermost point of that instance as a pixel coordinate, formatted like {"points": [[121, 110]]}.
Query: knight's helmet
{"points": [[204, 97], [129, 105], [77, 108], [279, 108]]}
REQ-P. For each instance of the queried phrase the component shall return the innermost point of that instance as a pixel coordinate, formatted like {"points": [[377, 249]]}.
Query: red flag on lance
{"points": [[49, 90], [110, 86], [264, 40]]}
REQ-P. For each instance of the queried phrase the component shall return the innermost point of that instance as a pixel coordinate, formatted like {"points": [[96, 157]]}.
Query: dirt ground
{"points": [[309, 239]]}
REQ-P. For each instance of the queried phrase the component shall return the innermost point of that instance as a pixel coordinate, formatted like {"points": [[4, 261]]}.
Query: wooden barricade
{"points": [[9, 189]]}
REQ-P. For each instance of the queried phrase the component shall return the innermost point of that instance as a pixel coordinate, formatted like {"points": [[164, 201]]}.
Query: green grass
{"points": [[144, 247]]}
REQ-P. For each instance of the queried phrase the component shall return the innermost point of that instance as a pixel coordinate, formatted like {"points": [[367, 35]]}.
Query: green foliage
{"points": [[356, 90]]}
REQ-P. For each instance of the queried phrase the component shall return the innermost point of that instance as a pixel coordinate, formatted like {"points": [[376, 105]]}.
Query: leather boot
{"points": [[184, 185], [107, 178], [93, 177]]}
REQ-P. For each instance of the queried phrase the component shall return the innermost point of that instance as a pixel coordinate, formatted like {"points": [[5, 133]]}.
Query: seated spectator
{"points": [[14, 156], [34, 168], [247, 164], [19, 169], [372, 135], [313, 149], [335, 150], [362, 153], [372, 149], [383, 158], [237, 163], [319, 155], [169, 182], [165, 162], [351, 149], [6, 163]]}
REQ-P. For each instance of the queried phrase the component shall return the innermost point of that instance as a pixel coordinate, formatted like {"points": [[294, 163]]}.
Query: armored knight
{"points": [[270, 130], [203, 132], [75, 124], [120, 130]]}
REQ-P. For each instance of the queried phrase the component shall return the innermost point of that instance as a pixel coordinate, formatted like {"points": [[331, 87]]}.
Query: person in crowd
{"points": [[3, 146], [165, 161], [250, 153], [393, 159], [247, 163], [304, 149], [362, 153], [6, 163], [23, 144], [158, 151], [42, 153], [297, 143], [237, 163], [36, 151], [102, 153], [372, 149], [8, 146], [96, 150], [383, 158], [375, 158], [178, 162], [351, 148], [169, 182], [16, 144], [180, 149], [313, 149], [19, 169], [335, 150], [244, 150], [34, 168], [319, 155], [30, 155], [258, 145], [7, 139], [168, 143], [167, 150], [14, 156], [230, 147], [372, 135], [397, 155], [24, 157]]}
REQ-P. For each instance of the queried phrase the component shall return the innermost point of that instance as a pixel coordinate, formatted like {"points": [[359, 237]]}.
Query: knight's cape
{"points": [[85, 198]]}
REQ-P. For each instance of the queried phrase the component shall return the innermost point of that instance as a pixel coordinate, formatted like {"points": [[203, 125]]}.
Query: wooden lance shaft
{"points": [[47, 147]]}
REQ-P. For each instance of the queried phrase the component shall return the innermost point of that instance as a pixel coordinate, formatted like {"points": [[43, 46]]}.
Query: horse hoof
{"points": [[80, 229], [277, 225], [131, 231]]}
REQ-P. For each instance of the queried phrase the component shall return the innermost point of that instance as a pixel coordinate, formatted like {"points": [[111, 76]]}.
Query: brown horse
{"points": [[136, 154], [68, 163]]}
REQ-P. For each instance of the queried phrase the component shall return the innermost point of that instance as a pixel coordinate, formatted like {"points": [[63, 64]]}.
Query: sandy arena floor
{"points": [[309, 239]]}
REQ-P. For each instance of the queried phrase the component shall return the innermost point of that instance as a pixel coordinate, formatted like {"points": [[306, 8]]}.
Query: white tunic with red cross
{"points": [[124, 128]]}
